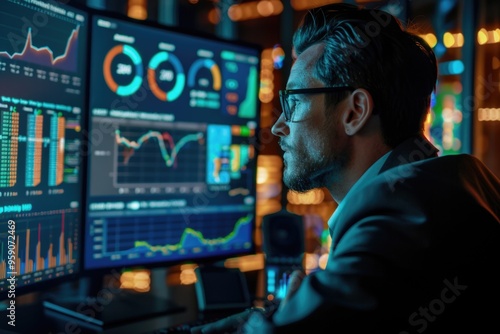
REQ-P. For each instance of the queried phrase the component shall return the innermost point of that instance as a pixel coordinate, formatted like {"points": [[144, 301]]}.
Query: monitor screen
{"points": [[172, 151], [42, 103]]}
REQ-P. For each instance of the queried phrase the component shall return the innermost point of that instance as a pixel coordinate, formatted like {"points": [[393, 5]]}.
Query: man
{"points": [[415, 237]]}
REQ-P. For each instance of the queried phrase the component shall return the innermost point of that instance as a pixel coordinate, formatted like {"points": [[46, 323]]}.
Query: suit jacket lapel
{"points": [[411, 150]]}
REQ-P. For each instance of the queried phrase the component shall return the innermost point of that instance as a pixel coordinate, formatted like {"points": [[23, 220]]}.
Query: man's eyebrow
{"points": [[292, 85]]}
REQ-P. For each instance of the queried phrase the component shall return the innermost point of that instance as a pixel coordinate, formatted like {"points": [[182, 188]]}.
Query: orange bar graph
{"points": [[62, 251], [61, 125], [27, 261], [37, 172], [52, 259], [70, 251], [3, 270], [39, 259], [32, 260], [18, 259]]}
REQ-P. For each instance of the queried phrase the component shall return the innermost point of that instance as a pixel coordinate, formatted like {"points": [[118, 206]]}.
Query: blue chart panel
{"points": [[239, 94], [152, 156], [180, 236], [219, 154]]}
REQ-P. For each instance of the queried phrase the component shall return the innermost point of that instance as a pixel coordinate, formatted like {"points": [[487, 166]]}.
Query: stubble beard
{"points": [[309, 174]]}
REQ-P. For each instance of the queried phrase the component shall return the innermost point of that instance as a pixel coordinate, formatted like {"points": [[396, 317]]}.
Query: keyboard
{"points": [[181, 328], [186, 327], [234, 317]]}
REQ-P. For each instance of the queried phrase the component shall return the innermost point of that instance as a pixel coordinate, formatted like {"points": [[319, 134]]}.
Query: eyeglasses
{"points": [[286, 92]]}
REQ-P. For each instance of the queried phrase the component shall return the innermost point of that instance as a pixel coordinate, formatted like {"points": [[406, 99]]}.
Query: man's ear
{"points": [[360, 107]]}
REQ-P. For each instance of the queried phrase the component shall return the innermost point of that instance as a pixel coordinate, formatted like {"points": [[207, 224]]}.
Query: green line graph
{"points": [[191, 239]]}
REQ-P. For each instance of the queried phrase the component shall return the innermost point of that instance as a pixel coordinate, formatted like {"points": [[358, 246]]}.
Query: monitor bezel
{"points": [[210, 259], [47, 285]]}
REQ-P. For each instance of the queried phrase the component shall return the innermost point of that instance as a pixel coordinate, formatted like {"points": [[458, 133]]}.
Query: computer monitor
{"points": [[172, 149], [43, 47]]}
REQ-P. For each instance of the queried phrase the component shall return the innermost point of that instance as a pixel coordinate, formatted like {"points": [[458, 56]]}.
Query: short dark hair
{"points": [[370, 49]]}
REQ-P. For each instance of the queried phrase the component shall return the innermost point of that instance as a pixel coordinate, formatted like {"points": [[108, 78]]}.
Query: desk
{"points": [[35, 318]]}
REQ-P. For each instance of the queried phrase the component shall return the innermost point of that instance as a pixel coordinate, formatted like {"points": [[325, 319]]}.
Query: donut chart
{"points": [[214, 70], [134, 56], [154, 63]]}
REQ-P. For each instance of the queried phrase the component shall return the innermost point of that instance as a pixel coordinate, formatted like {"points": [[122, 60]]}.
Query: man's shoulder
{"points": [[434, 171], [454, 161], [458, 161], [444, 189], [443, 179]]}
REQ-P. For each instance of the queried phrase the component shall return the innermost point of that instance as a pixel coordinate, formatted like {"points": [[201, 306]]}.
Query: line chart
{"points": [[150, 237], [44, 55], [153, 156], [192, 238]]}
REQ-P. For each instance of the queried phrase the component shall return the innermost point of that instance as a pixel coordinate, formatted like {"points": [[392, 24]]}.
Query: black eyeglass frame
{"points": [[318, 90]]}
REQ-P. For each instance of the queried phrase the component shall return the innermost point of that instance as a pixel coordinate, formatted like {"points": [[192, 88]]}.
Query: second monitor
{"points": [[172, 151]]}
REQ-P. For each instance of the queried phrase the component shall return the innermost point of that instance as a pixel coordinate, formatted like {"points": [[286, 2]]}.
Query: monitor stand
{"points": [[107, 306]]}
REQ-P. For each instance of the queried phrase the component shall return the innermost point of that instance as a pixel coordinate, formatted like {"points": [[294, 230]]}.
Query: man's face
{"points": [[314, 143]]}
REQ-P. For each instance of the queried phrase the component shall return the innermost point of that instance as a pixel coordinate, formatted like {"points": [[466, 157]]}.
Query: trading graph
{"points": [[45, 56], [49, 40], [45, 244], [158, 156], [116, 239], [43, 137]]}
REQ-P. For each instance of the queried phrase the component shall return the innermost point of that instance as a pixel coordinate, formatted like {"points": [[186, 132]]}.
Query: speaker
{"points": [[221, 289], [283, 237]]}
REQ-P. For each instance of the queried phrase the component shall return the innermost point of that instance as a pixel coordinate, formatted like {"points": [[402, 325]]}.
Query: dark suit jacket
{"points": [[414, 251]]}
